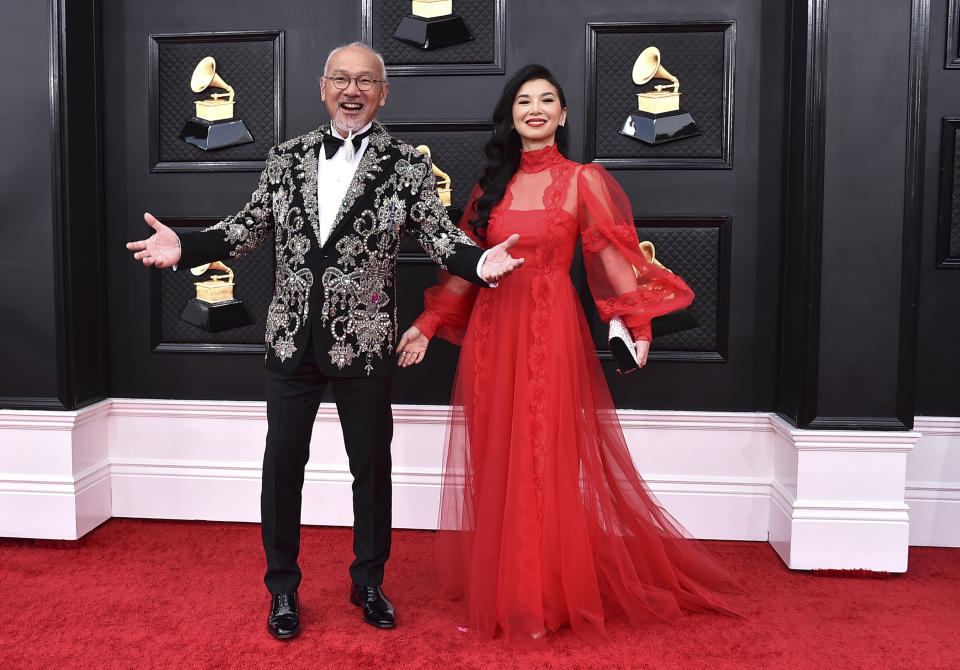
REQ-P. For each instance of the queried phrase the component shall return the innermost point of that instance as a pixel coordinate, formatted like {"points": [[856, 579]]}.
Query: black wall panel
{"points": [[863, 208], [28, 364], [938, 360], [749, 193], [79, 231]]}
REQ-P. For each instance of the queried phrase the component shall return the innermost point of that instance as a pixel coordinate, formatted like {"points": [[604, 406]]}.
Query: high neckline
{"points": [[540, 159]]}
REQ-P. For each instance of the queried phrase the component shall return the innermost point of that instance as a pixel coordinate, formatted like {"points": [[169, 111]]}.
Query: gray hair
{"points": [[358, 45]]}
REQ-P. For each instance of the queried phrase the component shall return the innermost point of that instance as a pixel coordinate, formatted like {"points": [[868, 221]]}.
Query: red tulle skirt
{"points": [[544, 521]]}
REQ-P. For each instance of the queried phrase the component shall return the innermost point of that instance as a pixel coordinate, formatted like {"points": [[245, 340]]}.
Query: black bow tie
{"points": [[333, 142]]}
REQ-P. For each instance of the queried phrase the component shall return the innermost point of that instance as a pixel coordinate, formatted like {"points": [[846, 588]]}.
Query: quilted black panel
{"points": [[248, 66], [955, 200], [694, 254], [253, 275], [479, 16], [695, 58], [459, 153]]}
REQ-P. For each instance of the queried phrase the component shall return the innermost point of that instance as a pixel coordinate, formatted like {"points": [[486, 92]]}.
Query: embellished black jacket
{"points": [[344, 292]]}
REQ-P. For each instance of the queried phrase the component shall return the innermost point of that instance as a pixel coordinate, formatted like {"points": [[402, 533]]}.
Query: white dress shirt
{"points": [[333, 179]]}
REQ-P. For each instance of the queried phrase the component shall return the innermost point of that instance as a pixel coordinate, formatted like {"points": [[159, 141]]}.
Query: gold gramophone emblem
{"points": [[658, 117], [214, 108], [213, 125], [215, 308], [659, 99], [444, 185], [216, 289], [429, 9]]}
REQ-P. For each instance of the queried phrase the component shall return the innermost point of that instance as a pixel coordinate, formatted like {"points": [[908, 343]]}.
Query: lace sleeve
{"points": [[449, 303], [622, 281]]}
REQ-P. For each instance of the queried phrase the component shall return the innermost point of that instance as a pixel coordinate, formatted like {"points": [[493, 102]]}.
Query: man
{"points": [[336, 201]]}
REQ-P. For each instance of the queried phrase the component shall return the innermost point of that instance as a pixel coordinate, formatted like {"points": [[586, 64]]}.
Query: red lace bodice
{"points": [[551, 202]]}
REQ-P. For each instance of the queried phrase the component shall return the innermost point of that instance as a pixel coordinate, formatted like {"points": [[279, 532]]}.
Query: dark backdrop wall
{"points": [[938, 360], [744, 198], [786, 237], [28, 365]]}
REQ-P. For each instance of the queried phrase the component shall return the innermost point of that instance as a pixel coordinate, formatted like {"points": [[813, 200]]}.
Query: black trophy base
{"points": [[427, 34], [209, 135], [660, 128], [216, 316]]}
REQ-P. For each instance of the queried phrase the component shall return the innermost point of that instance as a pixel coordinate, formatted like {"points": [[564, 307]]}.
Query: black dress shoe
{"points": [[377, 610], [284, 620]]}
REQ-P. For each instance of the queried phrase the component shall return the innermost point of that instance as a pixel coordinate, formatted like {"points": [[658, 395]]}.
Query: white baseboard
{"points": [[933, 483], [838, 498], [720, 474], [54, 472], [724, 496]]}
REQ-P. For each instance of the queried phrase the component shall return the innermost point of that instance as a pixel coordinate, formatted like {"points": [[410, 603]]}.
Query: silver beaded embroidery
{"points": [[359, 306]]}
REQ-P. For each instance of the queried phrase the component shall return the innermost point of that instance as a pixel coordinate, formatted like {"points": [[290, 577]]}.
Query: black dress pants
{"points": [[363, 405]]}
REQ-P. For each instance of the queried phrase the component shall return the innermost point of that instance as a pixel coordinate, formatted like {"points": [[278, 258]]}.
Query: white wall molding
{"points": [[54, 472], [938, 425], [933, 483], [723, 475], [838, 498]]}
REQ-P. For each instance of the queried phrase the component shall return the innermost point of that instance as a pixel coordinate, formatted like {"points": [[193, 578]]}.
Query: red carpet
{"points": [[170, 594]]}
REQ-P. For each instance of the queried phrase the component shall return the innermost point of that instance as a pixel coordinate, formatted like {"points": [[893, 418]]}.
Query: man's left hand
{"points": [[412, 347], [498, 262]]}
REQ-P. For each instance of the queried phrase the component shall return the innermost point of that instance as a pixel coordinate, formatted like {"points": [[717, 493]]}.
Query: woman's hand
{"points": [[643, 348], [412, 347]]}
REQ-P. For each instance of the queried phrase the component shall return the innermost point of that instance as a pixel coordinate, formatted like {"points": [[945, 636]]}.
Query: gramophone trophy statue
{"points": [[213, 127], [444, 187], [432, 24], [658, 118], [215, 309]]}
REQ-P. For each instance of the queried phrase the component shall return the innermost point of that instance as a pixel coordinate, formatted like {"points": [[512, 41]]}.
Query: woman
{"points": [[551, 523]]}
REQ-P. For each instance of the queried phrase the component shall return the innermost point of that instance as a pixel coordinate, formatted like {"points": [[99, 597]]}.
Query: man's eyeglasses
{"points": [[363, 83]]}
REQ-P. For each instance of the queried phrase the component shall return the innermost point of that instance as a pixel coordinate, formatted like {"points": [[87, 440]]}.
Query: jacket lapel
{"points": [[309, 164], [358, 185]]}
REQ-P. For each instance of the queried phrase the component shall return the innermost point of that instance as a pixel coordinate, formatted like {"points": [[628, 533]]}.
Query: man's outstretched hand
{"points": [[162, 249], [412, 347], [498, 262]]}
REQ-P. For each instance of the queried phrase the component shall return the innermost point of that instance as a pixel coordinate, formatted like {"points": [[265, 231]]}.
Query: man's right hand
{"points": [[162, 249], [498, 263]]}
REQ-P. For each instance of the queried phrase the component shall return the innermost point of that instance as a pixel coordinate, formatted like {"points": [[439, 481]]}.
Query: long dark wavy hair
{"points": [[503, 149]]}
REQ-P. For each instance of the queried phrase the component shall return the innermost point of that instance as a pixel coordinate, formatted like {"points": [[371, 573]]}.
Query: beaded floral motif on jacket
{"points": [[359, 303], [271, 211], [358, 289], [290, 306]]}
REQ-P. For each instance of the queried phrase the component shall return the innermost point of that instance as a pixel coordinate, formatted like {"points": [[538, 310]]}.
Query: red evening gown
{"points": [[544, 521]]}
